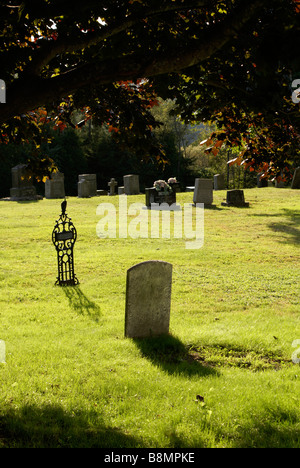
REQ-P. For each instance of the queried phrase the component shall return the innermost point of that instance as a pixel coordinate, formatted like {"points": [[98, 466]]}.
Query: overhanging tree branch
{"points": [[28, 93], [49, 49], [40, 9]]}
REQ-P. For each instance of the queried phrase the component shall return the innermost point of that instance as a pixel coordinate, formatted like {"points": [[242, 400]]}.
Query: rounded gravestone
{"points": [[148, 299]]}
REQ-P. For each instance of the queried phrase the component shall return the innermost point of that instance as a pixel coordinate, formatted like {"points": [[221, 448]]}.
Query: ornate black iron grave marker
{"points": [[63, 237]]}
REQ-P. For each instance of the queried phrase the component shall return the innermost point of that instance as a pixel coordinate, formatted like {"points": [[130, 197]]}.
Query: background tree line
{"points": [[94, 149]]}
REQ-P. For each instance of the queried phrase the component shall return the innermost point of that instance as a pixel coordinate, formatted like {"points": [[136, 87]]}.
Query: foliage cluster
{"points": [[228, 61]]}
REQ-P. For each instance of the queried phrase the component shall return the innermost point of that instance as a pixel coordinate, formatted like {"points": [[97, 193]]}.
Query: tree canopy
{"points": [[231, 61]]}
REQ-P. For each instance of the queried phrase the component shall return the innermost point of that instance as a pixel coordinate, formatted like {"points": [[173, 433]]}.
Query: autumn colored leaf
{"points": [[111, 128], [226, 62]]}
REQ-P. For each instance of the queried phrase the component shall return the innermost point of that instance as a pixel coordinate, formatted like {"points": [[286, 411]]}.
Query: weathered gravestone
{"points": [[296, 179], [154, 196], [83, 189], [131, 184], [175, 186], [148, 299], [55, 187], [235, 198], [261, 182], [22, 187], [121, 191], [89, 187], [280, 183], [219, 182], [112, 186], [203, 192]]}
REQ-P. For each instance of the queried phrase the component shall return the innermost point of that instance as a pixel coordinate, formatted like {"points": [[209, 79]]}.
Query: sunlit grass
{"points": [[71, 379]]}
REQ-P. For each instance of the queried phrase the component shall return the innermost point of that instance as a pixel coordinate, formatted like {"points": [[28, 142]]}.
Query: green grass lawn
{"points": [[223, 378]]}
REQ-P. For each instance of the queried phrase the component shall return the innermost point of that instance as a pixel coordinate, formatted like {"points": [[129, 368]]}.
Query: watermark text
{"points": [[295, 358], [135, 221], [2, 352], [296, 93], [2, 92]]}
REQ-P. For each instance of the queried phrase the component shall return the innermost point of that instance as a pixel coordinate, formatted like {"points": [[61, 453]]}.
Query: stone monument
{"points": [[203, 192], [154, 196], [83, 189], [131, 184], [22, 186], [261, 182], [55, 187], [219, 182], [148, 299], [280, 183], [112, 186], [89, 189], [235, 198], [296, 179]]}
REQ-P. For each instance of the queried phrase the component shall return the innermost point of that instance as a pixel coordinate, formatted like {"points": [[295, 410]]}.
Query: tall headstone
{"points": [[22, 186], [219, 182], [91, 179], [112, 186], [55, 187], [148, 299], [203, 192], [83, 189], [131, 184], [235, 198], [296, 179]]}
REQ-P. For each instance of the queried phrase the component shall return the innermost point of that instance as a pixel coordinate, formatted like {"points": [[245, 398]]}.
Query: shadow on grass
{"points": [[171, 355], [274, 427], [213, 207], [80, 303], [290, 228], [52, 427], [26, 202]]}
